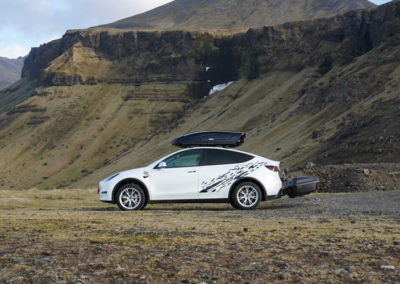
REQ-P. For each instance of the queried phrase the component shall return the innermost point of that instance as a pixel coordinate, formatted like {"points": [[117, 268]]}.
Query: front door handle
{"points": [[191, 172]]}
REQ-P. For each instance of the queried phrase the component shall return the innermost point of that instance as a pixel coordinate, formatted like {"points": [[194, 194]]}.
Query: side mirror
{"points": [[162, 165]]}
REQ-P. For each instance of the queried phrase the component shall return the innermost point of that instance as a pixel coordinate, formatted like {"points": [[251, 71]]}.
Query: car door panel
{"points": [[220, 169], [215, 181], [179, 178], [175, 183]]}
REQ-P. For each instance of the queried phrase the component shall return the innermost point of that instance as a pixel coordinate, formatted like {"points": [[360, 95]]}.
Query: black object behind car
{"points": [[300, 186], [210, 138]]}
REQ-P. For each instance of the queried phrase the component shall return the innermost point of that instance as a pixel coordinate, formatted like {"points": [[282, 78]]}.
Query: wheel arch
{"points": [[127, 181], [249, 179]]}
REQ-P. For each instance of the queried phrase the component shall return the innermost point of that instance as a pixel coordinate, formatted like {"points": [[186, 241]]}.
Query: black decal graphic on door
{"points": [[218, 183]]}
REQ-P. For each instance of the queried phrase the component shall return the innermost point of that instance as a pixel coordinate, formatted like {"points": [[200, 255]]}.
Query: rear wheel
{"points": [[246, 196], [131, 197]]}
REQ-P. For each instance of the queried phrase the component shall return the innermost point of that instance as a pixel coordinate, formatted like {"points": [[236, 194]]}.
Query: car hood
{"points": [[129, 173], [134, 172]]}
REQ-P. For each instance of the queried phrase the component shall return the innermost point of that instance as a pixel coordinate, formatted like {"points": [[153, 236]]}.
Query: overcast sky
{"points": [[28, 23]]}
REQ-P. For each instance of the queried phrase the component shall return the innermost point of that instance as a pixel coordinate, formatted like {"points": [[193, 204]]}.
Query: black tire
{"points": [[233, 205], [131, 197], [240, 200]]}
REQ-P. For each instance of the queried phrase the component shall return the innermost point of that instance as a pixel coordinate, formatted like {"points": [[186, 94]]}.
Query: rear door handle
{"points": [[191, 172]]}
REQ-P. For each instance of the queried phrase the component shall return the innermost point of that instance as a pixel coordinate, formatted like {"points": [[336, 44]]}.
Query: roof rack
{"points": [[210, 139]]}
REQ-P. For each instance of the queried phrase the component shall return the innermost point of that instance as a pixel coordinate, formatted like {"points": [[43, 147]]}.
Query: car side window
{"points": [[189, 158], [223, 157]]}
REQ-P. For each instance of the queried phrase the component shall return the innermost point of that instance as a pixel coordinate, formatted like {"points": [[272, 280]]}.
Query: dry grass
{"points": [[67, 235]]}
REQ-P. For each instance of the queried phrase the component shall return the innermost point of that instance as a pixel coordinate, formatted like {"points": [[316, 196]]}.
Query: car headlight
{"points": [[111, 177]]}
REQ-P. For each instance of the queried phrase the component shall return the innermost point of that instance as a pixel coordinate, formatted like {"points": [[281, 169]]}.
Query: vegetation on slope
{"points": [[103, 101]]}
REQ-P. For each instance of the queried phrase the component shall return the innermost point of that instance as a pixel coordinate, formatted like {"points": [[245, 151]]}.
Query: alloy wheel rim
{"points": [[130, 198], [247, 196]]}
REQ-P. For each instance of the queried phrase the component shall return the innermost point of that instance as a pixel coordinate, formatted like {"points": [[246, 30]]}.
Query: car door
{"points": [[179, 179], [220, 169]]}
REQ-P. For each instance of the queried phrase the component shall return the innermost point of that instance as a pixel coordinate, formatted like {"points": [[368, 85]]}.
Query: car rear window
{"points": [[223, 157]]}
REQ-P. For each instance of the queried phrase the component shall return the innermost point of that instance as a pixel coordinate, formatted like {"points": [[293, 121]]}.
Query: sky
{"points": [[29, 23]]}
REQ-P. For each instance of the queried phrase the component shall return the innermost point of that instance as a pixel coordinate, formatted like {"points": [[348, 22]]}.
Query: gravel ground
{"points": [[68, 236], [366, 203], [377, 203]]}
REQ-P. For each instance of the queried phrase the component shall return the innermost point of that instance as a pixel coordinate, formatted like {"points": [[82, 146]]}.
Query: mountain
{"points": [[10, 70], [99, 101], [234, 14]]}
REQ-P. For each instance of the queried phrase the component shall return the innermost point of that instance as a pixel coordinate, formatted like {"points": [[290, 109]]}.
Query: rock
{"points": [[387, 267], [284, 276], [223, 281], [184, 271], [352, 269], [16, 259], [16, 279], [310, 165], [342, 271], [315, 135]]}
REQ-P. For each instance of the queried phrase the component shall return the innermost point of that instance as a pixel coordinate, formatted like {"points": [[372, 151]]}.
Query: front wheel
{"points": [[246, 196], [131, 197]]}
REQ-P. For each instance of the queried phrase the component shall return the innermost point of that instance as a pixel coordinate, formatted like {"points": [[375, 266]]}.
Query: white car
{"points": [[199, 174]]}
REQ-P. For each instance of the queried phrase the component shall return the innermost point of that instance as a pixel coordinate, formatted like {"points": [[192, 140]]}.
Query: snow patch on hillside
{"points": [[220, 87]]}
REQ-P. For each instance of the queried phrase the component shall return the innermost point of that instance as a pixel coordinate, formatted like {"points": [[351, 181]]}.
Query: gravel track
{"points": [[377, 203], [364, 203]]}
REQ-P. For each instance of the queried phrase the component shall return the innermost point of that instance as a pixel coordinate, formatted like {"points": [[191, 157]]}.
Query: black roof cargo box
{"points": [[210, 138]]}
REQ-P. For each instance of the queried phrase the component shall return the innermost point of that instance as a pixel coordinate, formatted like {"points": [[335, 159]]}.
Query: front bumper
{"points": [[105, 191]]}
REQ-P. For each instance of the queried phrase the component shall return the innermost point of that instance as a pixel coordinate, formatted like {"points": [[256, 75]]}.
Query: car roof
{"points": [[218, 148], [204, 147]]}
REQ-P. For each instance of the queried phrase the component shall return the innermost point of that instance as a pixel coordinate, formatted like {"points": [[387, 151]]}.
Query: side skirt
{"points": [[272, 197], [225, 200]]}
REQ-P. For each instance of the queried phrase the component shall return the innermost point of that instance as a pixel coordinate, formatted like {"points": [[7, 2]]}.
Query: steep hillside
{"points": [[234, 14], [324, 90], [10, 70]]}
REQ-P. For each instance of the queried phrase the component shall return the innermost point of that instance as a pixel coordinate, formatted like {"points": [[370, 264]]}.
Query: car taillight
{"points": [[273, 168]]}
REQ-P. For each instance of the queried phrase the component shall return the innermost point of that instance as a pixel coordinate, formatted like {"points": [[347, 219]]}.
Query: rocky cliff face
{"points": [[10, 71], [235, 14], [98, 101]]}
